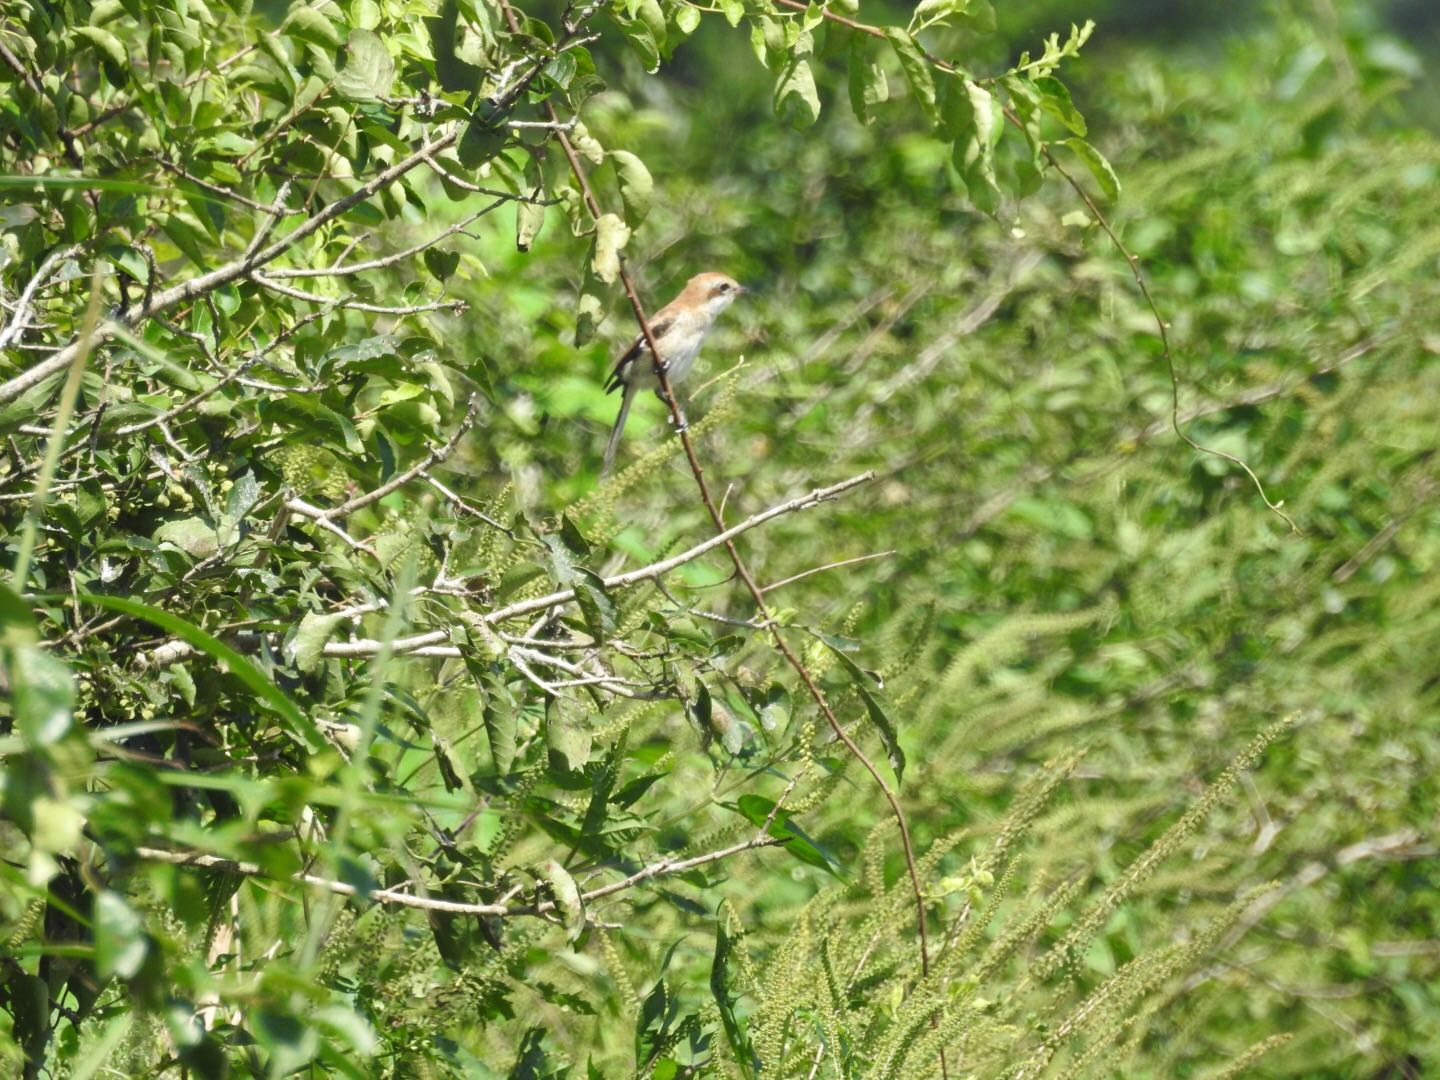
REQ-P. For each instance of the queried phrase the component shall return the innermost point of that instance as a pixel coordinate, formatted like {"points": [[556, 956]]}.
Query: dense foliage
{"points": [[352, 724]]}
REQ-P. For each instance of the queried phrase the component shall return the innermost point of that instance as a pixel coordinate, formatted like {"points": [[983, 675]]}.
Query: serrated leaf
{"points": [[368, 70], [1098, 166]]}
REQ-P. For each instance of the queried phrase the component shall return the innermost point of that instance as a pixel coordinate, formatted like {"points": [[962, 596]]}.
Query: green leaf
{"points": [[642, 40], [567, 897], [567, 735], [307, 647], [441, 264], [978, 17], [917, 70], [1055, 99], [637, 187], [868, 85], [194, 536], [757, 809], [306, 23], [480, 143], [368, 70], [889, 736], [111, 48], [796, 100], [17, 624], [589, 312], [228, 659], [973, 114], [120, 941], [42, 695], [1098, 166], [687, 19]]}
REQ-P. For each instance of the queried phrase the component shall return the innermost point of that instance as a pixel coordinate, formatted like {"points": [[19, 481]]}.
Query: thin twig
{"points": [[341, 270], [17, 323], [427, 903], [434, 457], [356, 305], [821, 569]]}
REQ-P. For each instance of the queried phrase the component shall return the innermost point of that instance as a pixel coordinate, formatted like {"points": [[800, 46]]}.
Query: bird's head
{"points": [[711, 292]]}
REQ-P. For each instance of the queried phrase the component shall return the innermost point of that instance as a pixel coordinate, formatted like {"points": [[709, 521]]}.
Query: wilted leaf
{"points": [[611, 236], [637, 188]]}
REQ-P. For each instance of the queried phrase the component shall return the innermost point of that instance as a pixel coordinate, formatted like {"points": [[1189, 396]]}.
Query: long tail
{"points": [[615, 432]]}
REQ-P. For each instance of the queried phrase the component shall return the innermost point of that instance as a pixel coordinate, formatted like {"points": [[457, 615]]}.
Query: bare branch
{"points": [[387, 260], [434, 457], [428, 903], [356, 305], [828, 566], [617, 581], [17, 323]]}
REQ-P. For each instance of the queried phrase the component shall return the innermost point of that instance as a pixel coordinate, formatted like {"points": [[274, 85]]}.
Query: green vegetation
{"points": [[353, 725]]}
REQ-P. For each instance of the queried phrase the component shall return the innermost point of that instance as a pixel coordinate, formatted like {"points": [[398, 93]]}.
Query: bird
{"points": [[679, 329]]}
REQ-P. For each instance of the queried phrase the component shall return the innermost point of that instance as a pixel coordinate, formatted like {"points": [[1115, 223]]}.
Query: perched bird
{"points": [[679, 329]]}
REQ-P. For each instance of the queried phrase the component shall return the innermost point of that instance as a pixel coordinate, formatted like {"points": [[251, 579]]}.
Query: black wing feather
{"points": [[637, 349]]}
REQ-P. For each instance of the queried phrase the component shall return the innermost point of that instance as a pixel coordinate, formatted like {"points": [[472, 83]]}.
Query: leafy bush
{"points": [[354, 726]]}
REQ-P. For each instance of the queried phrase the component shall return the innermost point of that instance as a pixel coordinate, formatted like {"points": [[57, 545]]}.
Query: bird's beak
{"points": [[742, 289]]}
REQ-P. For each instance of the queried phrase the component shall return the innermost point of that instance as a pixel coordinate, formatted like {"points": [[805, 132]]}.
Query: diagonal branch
{"points": [[427, 903], [434, 457], [667, 392]]}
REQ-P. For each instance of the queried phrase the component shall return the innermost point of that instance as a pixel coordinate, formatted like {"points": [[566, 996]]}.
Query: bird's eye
{"points": [[723, 287]]}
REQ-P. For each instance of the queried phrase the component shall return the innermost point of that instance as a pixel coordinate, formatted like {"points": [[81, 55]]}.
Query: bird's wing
{"points": [[637, 349]]}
